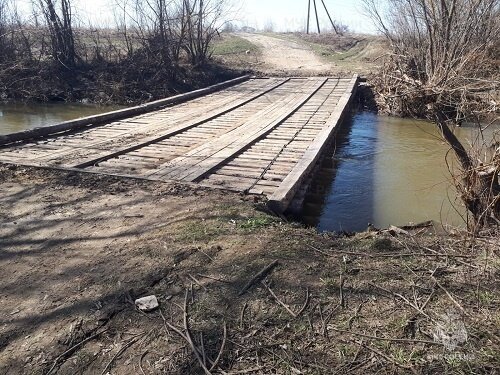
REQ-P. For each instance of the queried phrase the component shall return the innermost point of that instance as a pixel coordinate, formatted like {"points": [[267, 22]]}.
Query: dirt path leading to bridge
{"points": [[280, 55], [76, 250]]}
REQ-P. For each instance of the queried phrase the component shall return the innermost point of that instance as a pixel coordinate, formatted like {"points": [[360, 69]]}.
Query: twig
{"points": [[428, 299], [386, 255], [406, 300], [189, 338], [319, 251], [196, 281], [306, 303], [119, 353], [449, 295], [70, 350], [208, 256], [247, 371], [202, 344], [186, 336], [356, 314], [341, 291], [242, 315], [324, 322], [223, 345], [390, 359], [213, 278], [258, 277], [278, 300], [411, 341], [140, 361]]}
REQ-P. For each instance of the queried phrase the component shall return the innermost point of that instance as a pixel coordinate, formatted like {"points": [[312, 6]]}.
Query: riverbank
{"points": [[128, 82], [79, 249], [137, 78]]}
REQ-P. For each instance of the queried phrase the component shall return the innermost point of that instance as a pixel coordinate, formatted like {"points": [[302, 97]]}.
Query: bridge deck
{"points": [[260, 136]]}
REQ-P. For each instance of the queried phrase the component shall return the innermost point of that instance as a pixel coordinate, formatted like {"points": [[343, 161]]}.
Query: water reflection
{"points": [[384, 170], [17, 117]]}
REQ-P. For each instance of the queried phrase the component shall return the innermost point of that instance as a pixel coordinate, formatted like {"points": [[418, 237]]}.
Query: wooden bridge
{"points": [[253, 135]]}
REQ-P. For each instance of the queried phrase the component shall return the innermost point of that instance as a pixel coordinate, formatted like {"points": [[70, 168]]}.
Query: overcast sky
{"points": [[286, 15], [290, 15]]}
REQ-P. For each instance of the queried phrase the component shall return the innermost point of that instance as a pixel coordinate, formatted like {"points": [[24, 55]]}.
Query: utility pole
{"points": [[317, 18], [330, 17], [308, 15]]}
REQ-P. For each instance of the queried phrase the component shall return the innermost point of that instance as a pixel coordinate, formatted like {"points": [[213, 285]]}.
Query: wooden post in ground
{"points": [[317, 18], [331, 20]]}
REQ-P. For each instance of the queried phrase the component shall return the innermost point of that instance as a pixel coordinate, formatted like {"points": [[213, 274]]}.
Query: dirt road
{"points": [[282, 55]]}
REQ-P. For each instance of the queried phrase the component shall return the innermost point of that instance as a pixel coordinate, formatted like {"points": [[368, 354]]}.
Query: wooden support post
{"points": [[308, 15], [317, 18], [330, 17]]}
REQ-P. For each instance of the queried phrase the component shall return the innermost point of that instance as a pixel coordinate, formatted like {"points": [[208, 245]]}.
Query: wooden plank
{"points": [[175, 130], [282, 197], [247, 126], [227, 151], [115, 115], [211, 115], [83, 138]]}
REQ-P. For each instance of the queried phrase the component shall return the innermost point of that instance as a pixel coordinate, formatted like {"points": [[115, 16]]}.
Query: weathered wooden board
{"points": [[260, 136]]}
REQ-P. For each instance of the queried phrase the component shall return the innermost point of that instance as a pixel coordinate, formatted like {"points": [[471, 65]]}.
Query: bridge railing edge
{"points": [[121, 114], [280, 200]]}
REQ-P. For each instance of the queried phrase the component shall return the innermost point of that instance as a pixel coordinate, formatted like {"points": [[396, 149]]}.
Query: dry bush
{"points": [[59, 20], [54, 53], [444, 67]]}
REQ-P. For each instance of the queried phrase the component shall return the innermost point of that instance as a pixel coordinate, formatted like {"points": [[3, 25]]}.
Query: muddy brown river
{"points": [[18, 117], [381, 170], [385, 171]]}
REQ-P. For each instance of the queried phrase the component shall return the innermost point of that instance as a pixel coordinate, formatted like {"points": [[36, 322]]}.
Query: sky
{"points": [[286, 15], [290, 15]]}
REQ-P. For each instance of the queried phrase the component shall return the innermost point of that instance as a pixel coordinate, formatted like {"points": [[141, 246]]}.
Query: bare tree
{"points": [[4, 47], [444, 66], [59, 18], [269, 26], [202, 19]]}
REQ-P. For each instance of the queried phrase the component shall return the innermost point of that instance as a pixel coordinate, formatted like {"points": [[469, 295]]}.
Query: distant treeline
{"points": [[155, 47]]}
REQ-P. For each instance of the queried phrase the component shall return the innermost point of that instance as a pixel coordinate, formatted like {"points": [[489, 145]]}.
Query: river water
{"points": [[384, 171], [381, 170], [17, 117]]}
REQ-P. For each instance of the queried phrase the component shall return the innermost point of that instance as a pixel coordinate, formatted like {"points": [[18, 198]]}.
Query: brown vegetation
{"points": [[156, 48], [445, 66]]}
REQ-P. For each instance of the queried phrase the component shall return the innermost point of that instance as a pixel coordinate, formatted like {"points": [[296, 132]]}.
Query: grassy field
{"points": [[235, 52], [230, 44]]}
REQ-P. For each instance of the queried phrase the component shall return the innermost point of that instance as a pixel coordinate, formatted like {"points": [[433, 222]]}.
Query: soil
{"points": [[286, 56], [311, 55], [78, 249]]}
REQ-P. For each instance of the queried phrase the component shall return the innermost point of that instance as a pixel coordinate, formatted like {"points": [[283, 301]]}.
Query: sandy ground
{"points": [[281, 55]]}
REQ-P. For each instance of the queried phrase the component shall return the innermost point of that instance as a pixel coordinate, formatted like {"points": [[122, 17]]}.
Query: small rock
{"points": [[146, 304]]}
